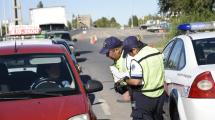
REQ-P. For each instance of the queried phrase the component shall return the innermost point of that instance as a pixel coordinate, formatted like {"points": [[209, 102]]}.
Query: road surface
{"points": [[97, 66]]}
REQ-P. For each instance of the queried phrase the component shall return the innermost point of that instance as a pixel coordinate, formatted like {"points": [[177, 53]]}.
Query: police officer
{"points": [[112, 48], [146, 80]]}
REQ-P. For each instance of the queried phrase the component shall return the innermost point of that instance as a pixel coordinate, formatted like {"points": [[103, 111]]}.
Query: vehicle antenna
{"points": [[15, 48]]}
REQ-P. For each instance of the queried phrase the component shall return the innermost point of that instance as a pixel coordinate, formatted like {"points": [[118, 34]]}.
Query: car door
{"points": [[174, 60]]}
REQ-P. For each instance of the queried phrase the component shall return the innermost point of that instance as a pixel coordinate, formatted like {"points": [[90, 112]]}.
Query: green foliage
{"points": [[3, 30], [40, 4], [104, 22], [69, 25], [113, 23], [178, 7], [185, 11], [141, 21], [135, 21], [74, 23]]}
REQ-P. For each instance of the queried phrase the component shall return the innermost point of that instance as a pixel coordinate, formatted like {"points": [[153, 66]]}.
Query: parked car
{"points": [[190, 73], [71, 52], [60, 34], [50, 42], [28, 92], [63, 35]]}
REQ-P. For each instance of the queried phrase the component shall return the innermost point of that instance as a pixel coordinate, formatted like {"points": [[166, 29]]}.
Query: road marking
{"points": [[105, 107]]}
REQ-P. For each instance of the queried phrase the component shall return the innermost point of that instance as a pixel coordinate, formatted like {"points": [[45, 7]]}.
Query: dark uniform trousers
{"points": [[147, 108]]}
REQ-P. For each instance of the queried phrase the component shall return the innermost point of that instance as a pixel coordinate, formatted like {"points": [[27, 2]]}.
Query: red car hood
{"points": [[52, 108]]}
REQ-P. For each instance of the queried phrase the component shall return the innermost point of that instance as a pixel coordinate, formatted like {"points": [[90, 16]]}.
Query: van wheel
{"points": [[174, 112]]}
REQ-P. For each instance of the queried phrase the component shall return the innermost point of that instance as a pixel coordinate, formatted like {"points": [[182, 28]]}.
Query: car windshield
{"points": [[49, 74], [205, 51]]}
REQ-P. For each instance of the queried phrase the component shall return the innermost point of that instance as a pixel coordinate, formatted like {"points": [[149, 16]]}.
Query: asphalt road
{"points": [[97, 66]]}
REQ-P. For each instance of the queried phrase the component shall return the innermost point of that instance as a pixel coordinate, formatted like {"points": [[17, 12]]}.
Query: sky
{"points": [[122, 10]]}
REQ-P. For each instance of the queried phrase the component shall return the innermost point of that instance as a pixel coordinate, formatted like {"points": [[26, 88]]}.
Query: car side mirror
{"points": [[91, 85], [74, 40]]}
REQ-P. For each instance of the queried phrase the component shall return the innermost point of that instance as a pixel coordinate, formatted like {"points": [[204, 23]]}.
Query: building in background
{"points": [[84, 21]]}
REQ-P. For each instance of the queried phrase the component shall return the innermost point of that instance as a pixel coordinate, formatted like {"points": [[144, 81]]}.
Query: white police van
{"points": [[190, 72]]}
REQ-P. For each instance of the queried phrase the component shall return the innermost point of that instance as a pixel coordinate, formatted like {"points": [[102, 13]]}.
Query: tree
{"points": [[141, 21], [113, 23], [3, 30], [102, 22], [186, 11], [105, 22], [69, 25], [74, 23], [40, 5], [133, 21], [179, 7]]}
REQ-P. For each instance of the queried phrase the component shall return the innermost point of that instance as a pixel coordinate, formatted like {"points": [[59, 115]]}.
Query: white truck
{"points": [[49, 18]]}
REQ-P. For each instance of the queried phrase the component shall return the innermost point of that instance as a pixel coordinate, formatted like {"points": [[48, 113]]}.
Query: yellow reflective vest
{"points": [[151, 61], [120, 64]]}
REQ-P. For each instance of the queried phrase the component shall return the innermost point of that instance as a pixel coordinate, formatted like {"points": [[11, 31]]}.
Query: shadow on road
{"points": [[84, 52], [97, 103], [81, 59]]}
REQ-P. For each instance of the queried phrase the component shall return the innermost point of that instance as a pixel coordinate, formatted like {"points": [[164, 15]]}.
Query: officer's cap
{"points": [[129, 43], [110, 43]]}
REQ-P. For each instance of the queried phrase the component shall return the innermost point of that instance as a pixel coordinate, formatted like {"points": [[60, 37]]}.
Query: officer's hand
{"points": [[120, 88]]}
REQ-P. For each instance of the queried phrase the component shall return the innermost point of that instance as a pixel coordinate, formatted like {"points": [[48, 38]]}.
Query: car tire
{"points": [[174, 111]]}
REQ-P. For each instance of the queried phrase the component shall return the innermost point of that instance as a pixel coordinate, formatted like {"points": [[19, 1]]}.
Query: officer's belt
{"points": [[152, 90]]}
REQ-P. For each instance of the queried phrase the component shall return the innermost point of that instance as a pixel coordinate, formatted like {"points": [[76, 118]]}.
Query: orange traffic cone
{"points": [[93, 40]]}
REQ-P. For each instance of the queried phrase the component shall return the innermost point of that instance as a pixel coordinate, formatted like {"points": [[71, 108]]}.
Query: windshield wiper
{"points": [[29, 93], [16, 98]]}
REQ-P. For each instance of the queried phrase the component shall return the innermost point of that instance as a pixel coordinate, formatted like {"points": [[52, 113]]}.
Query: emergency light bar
{"points": [[197, 26]]}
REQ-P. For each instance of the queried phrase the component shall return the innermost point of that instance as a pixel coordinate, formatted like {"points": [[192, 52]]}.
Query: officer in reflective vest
{"points": [[112, 47], [146, 80]]}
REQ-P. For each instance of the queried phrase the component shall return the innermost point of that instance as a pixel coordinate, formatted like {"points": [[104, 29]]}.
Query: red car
{"points": [[40, 82]]}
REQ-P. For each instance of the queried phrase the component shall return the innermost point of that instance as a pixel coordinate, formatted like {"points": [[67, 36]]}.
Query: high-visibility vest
{"points": [[151, 61], [121, 63]]}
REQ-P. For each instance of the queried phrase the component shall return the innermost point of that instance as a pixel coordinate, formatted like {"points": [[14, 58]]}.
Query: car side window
{"points": [[182, 60], [173, 61], [167, 51]]}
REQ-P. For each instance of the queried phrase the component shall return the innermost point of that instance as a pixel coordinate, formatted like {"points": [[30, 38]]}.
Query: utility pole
{"points": [[5, 21], [17, 12], [1, 29], [132, 20]]}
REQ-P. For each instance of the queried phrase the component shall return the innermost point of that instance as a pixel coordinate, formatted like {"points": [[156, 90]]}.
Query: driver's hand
{"points": [[78, 68]]}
